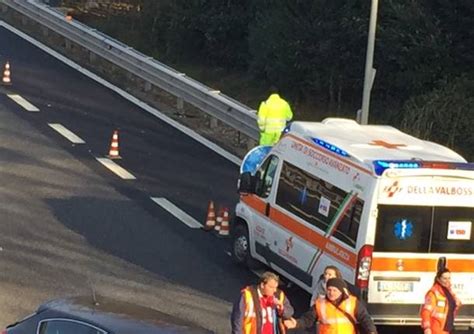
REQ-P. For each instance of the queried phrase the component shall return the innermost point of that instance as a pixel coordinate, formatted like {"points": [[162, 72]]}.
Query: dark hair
{"points": [[440, 273], [267, 276], [273, 90]]}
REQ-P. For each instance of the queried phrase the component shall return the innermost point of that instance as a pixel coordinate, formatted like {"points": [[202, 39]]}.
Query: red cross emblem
{"points": [[289, 244], [392, 189], [385, 144]]}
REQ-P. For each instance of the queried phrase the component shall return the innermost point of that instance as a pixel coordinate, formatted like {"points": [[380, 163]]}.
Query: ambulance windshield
{"points": [[424, 229]]}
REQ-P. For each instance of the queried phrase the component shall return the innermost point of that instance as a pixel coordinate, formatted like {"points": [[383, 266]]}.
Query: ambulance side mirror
{"points": [[246, 183]]}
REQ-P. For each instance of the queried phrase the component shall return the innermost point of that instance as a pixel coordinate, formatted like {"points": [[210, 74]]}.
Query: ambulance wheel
{"points": [[241, 247]]}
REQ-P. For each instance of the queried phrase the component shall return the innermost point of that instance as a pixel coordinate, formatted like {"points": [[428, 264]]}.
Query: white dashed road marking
{"points": [[177, 212], [112, 166], [155, 112], [72, 137], [22, 102]]}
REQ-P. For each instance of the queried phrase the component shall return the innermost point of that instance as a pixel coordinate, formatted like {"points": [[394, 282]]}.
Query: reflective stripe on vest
{"points": [[332, 320], [249, 324], [436, 305], [271, 124]]}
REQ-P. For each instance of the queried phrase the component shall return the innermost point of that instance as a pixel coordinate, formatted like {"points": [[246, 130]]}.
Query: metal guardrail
{"points": [[222, 107]]}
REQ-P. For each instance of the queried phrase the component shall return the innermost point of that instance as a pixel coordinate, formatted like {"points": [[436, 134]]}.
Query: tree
{"points": [[412, 50], [213, 31], [444, 115], [310, 47]]}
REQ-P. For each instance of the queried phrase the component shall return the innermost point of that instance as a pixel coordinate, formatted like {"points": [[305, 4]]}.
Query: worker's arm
{"points": [[288, 309], [237, 316], [307, 320], [262, 116], [364, 319], [426, 311]]}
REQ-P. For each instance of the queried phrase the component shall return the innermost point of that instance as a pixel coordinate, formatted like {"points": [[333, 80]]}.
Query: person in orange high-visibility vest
{"points": [[273, 114], [260, 308], [440, 307], [337, 312]]}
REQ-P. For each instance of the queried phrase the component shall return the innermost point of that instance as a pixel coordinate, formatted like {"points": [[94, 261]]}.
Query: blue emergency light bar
{"points": [[381, 165], [330, 147]]}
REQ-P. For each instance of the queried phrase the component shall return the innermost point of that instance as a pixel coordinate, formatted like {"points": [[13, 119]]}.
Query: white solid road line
{"points": [[71, 136], [22, 102], [177, 212], [216, 148], [122, 172]]}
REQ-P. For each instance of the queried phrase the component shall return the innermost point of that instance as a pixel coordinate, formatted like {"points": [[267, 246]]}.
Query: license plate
{"points": [[386, 286]]}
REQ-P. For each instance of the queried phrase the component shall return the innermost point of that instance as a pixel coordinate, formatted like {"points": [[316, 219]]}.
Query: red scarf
{"points": [[268, 305]]}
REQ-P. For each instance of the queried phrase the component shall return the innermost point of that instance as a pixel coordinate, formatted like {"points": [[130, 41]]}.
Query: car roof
{"points": [[117, 317]]}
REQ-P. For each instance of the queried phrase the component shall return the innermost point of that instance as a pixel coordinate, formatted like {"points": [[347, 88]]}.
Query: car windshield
{"points": [[424, 229]]}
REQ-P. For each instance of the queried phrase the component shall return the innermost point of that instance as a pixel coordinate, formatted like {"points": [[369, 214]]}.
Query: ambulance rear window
{"points": [[424, 229]]}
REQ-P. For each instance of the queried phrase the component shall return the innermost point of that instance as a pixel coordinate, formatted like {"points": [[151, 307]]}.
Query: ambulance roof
{"points": [[367, 143]]}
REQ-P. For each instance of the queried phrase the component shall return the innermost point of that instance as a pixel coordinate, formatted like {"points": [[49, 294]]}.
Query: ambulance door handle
{"points": [[267, 210]]}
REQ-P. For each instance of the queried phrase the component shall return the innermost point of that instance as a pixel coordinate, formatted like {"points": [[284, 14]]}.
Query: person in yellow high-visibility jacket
{"points": [[272, 117]]}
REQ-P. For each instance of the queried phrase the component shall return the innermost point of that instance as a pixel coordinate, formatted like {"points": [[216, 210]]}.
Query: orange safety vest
{"points": [[435, 310], [333, 321], [249, 324]]}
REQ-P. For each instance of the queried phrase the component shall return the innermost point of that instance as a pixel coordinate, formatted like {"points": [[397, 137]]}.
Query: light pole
{"points": [[369, 60]]}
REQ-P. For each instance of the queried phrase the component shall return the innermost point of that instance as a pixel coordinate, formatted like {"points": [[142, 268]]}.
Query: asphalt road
{"points": [[69, 226]]}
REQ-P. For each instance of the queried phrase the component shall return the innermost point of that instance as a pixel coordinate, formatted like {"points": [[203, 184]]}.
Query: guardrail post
{"points": [[180, 105], [213, 122], [92, 56], [45, 31], [147, 86], [251, 143], [67, 44]]}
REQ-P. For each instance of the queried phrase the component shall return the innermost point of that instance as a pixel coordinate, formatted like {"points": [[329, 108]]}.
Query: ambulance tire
{"points": [[241, 247]]}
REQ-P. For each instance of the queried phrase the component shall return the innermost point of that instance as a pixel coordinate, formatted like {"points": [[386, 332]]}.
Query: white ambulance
{"points": [[385, 207]]}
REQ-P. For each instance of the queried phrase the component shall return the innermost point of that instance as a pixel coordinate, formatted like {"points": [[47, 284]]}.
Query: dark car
{"points": [[85, 315]]}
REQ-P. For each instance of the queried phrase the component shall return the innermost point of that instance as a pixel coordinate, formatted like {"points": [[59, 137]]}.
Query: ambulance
{"points": [[386, 208]]}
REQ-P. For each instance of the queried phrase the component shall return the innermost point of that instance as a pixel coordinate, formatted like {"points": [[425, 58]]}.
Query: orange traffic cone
{"points": [[114, 147], [224, 231], [211, 217], [6, 75], [217, 227]]}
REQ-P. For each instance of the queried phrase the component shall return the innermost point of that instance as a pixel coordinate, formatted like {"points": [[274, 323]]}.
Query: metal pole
{"points": [[369, 71]]}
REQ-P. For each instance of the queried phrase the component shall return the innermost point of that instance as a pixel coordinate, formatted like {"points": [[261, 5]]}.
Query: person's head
{"points": [[443, 277], [335, 289], [331, 272], [273, 90], [268, 283]]}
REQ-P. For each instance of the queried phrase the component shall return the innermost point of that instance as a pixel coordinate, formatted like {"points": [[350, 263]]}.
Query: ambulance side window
{"points": [[348, 228], [265, 176], [318, 203]]}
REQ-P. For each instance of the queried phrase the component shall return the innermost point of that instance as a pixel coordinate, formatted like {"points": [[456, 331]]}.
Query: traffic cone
{"points": [[6, 75], [211, 217], [224, 231], [217, 227], [114, 147]]}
